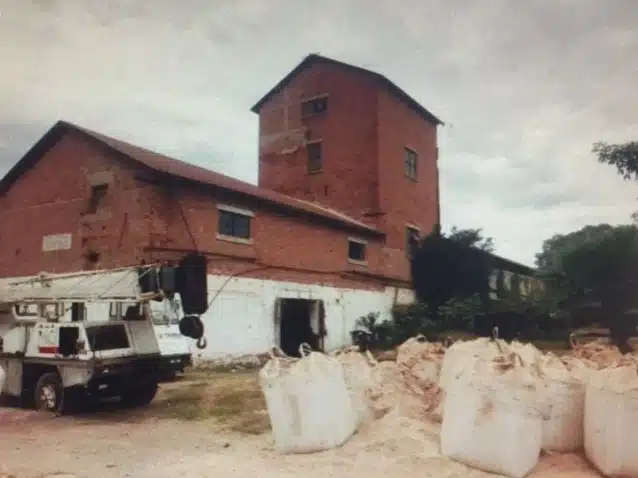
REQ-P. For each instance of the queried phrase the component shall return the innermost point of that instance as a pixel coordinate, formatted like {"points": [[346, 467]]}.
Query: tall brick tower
{"points": [[351, 140]]}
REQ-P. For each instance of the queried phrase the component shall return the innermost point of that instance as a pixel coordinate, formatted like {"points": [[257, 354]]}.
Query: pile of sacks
{"points": [[500, 403], [505, 403], [345, 391]]}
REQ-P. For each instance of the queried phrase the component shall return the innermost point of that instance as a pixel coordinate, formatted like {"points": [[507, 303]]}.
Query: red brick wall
{"points": [[364, 131], [403, 200], [51, 199], [348, 130], [142, 220], [283, 247]]}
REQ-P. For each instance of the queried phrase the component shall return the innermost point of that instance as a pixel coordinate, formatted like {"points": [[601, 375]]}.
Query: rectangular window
{"points": [[315, 106], [233, 224], [410, 163], [356, 250], [98, 192], [78, 311], [114, 310], [315, 156], [411, 240]]}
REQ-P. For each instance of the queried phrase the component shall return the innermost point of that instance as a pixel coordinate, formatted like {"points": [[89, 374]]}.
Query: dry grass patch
{"points": [[234, 400]]}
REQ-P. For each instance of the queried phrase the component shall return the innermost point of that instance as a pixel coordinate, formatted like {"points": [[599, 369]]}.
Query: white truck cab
{"points": [[175, 353], [65, 338]]}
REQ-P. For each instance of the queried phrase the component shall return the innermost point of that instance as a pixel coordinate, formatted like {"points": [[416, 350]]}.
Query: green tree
{"points": [[596, 264], [624, 157], [472, 238], [450, 267], [549, 260]]}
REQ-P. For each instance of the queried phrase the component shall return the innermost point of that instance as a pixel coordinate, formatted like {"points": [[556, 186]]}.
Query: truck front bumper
{"points": [[171, 364]]}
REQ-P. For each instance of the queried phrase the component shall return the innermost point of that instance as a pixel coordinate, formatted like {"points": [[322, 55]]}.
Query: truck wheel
{"points": [[139, 395], [49, 393]]}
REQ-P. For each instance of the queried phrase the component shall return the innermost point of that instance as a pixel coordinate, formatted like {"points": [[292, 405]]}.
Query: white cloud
{"points": [[527, 87]]}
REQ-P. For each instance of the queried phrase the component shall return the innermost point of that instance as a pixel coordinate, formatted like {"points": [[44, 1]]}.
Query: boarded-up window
{"points": [[314, 106], [315, 156], [410, 163], [96, 201]]}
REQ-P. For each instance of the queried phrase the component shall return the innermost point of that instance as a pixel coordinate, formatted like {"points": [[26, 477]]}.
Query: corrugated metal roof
{"points": [[179, 169]]}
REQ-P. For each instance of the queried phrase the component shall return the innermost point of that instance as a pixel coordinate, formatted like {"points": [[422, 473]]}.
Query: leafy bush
{"points": [[409, 320], [412, 319], [459, 314], [526, 318], [381, 333]]}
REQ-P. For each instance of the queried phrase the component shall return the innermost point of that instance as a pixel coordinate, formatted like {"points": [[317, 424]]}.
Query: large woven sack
{"points": [[527, 352], [308, 403], [360, 382], [611, 421], [492, 416], [461, 354], [565, 405]]}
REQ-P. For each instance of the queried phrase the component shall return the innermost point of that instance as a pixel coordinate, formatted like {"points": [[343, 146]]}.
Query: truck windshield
{"points": [[166, 312]]}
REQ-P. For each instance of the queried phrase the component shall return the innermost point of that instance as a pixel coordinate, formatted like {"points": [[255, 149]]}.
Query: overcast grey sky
{"points": [[525, 87]]}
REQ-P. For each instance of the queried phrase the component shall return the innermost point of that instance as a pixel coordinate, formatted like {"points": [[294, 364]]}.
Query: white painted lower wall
{"points": [[241, 319]]}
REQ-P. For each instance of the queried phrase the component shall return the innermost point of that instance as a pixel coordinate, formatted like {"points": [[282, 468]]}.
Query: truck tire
{"points": [[139, 394], [49, 393]]}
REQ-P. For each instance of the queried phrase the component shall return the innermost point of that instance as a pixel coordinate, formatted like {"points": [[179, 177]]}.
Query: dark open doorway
{"points": [[300, 321]]}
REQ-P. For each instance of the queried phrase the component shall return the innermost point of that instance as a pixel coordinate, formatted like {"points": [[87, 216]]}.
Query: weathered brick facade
{"points": [[153, 210], [364, 133]]}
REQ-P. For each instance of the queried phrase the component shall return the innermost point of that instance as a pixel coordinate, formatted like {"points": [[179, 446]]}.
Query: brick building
{"points": [[347, 172]]}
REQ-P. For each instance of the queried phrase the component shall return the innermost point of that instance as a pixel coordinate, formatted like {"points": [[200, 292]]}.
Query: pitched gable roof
{"points": [[314, 59], [178, 169]]}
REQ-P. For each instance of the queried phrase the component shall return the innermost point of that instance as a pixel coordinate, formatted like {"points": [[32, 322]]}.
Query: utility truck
{"points": [[66, 339]]}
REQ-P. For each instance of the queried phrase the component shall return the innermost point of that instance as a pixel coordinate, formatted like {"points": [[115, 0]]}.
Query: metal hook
{"points": [[201, 343]]}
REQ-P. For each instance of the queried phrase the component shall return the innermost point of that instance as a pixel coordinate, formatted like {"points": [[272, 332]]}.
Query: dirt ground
{"points": [[215, 424]]}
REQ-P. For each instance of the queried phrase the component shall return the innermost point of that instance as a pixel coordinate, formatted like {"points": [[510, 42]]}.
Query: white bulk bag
{"points": [[527, 352], [492, 418], [565, 406], [611, 421], [359, 376], [582, 369], [460, 355], [308, 403]]}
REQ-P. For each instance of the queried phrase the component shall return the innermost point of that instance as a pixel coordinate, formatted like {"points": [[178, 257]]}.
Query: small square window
{"points": [[356, 251], [232, 224], [315, 106], [98, 193], [410, 163], [411, 241], [315, 156]]}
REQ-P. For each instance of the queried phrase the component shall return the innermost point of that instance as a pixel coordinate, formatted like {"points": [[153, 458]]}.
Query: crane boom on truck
{"points": [[74, 337]]}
